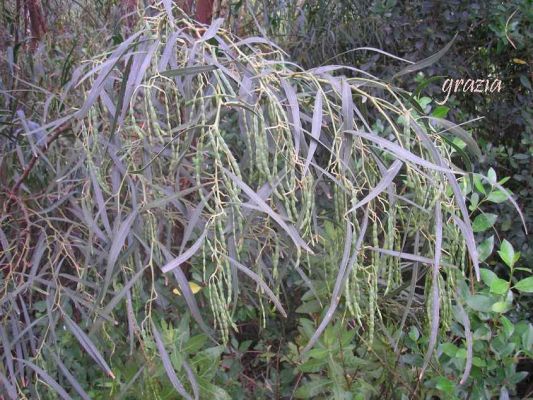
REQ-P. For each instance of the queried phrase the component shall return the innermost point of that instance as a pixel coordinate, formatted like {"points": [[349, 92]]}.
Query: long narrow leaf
{"points": [[381, 186], [257, 279], [47, 379], [167, 364], [339, 283], [315, 131], [426, 62], [298, 241], [186, 255], [400, 152], [469, 342], [435, 300], [119, 239], [88, 345]]}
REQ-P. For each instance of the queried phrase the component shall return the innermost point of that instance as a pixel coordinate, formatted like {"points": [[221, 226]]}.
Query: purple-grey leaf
{"points": [[298, 241], [316, 127], [381, 186], [257, 279], [186, 255], [88, 345], [435, 300], [167, 364]]}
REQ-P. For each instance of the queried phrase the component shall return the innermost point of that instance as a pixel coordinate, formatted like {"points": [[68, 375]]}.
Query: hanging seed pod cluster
{"points": [[269, 153]]}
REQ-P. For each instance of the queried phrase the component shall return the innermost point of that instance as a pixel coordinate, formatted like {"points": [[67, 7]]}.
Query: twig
{"points": [[14, 190]]}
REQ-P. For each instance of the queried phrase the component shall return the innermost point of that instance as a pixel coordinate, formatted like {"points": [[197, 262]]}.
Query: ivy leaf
{"points": [[483, 222], [525, 285], [507, 253]]}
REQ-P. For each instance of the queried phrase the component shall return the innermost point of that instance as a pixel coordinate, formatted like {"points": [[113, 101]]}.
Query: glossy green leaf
{"points": [[499, 286], [483, 222], [313, 388], [449, 349], [497, 196], [508, 327], [480, 302], [479, 184], [440, 111], [445, 385], [525, 285], [318, 353], [474, 201], [491, 175], [501, 307], [479, 362], [413, 333], [487, 276], [485, 248], [461, 353], [507, 253]]}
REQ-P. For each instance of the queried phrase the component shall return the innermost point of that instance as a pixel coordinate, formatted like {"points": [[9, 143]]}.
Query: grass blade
{"points": [[469, 341], [400, 152], [8, 387], [199, 69], [340, 281], [119, 239]]}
